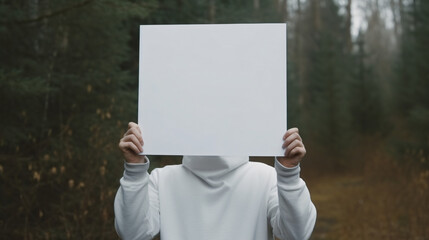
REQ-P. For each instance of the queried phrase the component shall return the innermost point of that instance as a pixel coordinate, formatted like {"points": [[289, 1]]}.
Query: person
{"points": [[213, 197]]}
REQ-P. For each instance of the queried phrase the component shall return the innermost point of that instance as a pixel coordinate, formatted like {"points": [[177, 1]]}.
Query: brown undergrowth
{"points": [[388, 200]]}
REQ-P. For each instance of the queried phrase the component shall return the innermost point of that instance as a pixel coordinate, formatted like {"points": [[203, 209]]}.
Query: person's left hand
{"points": [[294, 148]]}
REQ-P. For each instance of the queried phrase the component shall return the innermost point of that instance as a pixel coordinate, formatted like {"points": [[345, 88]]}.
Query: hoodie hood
{"points": [[212, 169]]}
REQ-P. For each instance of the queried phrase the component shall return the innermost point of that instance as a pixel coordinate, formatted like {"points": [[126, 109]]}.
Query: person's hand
{"points": [[132, 144], [294, 148]]}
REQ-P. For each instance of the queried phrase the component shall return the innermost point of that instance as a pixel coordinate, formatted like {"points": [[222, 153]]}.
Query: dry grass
{"points": [[387, 201]]}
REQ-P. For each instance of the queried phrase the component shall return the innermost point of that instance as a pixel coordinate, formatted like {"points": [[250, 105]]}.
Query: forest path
{"points": [[329, 194]]}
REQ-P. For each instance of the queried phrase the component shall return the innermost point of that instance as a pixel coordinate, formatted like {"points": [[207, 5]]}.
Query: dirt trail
{"points": [[327, 194]]}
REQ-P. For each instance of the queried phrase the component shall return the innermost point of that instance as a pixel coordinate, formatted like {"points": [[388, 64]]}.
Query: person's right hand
{"points": [[132, 144]]}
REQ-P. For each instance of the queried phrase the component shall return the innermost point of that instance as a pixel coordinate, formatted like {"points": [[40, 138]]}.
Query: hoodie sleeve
{"points": [[137, 203], [291, 212]]}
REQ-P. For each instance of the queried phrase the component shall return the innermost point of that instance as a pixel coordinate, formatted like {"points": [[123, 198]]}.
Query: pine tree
{"points": [[66, 97], [412, 83], [365, 101], [324, 111]]}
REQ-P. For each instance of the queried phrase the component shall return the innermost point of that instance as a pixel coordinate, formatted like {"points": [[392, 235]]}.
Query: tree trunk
{"points": [[212, 11], [34, 13], [298, 57], [315, 8], [285, 13], [414, 14], [395, 17], [179, 7], [256, 12], [349, 26], [401, 13], [256, 5]]}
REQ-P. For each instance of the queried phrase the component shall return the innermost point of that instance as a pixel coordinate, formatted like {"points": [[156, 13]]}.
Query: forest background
{"points": [[358, 93]]}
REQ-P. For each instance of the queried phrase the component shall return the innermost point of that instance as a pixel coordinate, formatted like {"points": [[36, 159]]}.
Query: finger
{"points": [[135, 132], [291, 138], [129, 146], [292, 146], [289, 132], [134, 125], [298, 152], [132, 138]]}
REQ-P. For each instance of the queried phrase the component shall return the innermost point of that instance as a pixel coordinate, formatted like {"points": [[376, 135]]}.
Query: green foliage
{"points": [[66, 98], [68, 87], [411, 86], [365, 100], [324, 112]]}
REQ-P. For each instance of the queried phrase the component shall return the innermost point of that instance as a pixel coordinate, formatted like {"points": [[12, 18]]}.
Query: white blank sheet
{"points": [[217, 89]]}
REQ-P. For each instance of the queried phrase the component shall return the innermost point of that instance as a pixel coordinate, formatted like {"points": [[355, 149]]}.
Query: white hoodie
{"points": [[213, 198]]}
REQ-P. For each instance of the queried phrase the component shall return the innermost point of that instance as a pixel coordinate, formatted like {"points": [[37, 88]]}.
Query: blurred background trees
{"points": [[358, 76]]}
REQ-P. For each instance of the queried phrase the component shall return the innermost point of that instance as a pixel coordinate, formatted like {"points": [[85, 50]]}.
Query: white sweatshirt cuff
{"points": [[287, 175], [135, 172]]}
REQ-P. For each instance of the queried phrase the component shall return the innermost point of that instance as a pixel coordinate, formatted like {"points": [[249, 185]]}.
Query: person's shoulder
{"points": [[266, 174], [261, 167], [167, 169]]}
